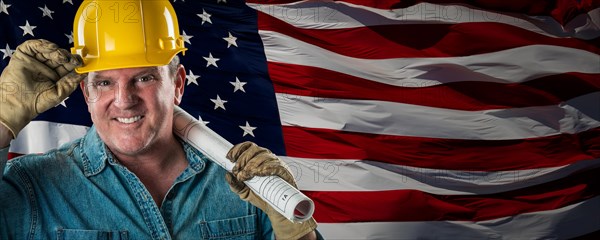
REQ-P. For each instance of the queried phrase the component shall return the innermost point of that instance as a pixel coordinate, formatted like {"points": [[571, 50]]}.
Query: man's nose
{"points": [[125, 95]]}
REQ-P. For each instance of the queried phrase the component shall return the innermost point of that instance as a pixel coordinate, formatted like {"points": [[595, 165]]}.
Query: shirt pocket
{"points": [[77, 234], [230, 228]]}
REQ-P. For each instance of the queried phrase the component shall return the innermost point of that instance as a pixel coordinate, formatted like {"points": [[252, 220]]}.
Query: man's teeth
{"points": [[129, 120]]}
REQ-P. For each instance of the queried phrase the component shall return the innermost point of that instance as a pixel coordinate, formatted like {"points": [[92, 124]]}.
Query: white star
{"points": [[70, 36], [46, 12], [63, 103], [205, 17], [210, 60], [219, 103], [7, 51], [230, 40], [27, 29], [69, 1], [238, 85], [248, 129], [4, 7], [192, 78], [202, 121], [218, 1], [187, 38]]}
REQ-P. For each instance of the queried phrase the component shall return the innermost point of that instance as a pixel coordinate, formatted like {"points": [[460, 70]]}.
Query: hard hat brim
{"points": [[94, 64]]}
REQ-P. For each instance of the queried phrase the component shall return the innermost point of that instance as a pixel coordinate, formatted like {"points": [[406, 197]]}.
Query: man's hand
{"points": [[38, 77], [252, 160]]}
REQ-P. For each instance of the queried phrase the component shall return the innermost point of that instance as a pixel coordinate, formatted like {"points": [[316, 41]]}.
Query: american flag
{"points": [[401, 119]]}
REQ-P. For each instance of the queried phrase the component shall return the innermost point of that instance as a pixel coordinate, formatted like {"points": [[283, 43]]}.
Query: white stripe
{"points": [[42, 136], [361, 175], [508, 66], [339, 15], [563, 223], [389, 118]]}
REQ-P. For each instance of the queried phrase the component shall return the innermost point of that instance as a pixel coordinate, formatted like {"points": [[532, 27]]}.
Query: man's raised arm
{"points": [[38, 77]]}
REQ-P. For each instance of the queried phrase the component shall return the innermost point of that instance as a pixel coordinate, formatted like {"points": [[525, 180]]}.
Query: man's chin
{"points": [[128, 147]]}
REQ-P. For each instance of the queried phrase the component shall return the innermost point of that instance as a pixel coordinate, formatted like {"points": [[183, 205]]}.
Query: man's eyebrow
{"points": [[97, 77], [146, 72]]}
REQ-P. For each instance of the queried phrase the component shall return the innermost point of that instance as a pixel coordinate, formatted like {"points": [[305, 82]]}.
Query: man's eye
{"points": [[146, 78], [102, 83]]}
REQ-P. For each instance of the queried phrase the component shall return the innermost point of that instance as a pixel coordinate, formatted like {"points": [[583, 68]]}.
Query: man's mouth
{"points": [[129, 120]]}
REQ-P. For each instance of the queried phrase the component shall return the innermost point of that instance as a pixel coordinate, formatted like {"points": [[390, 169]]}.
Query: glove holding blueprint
{"points": [[251, 161], [276, 192]]}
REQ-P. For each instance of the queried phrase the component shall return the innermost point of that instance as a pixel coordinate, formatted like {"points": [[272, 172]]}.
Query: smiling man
{"points": [[129, 109], [129, 177]]}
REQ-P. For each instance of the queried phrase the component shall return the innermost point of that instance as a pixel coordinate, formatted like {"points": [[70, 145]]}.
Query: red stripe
{"points": [[413, 205], [468, 95], [562, 10], [12, 155], [451, 154], [565, 86], [567, 10], [440, 40]]}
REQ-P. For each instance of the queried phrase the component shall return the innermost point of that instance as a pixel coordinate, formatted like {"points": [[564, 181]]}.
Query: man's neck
{"points": [[157, 168]]}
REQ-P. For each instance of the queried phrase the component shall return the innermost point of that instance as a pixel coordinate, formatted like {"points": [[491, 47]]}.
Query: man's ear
{"points": [[179, 84], [84, 90]]}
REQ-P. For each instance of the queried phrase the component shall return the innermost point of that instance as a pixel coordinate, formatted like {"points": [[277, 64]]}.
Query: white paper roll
{"points": [[282, 196]]}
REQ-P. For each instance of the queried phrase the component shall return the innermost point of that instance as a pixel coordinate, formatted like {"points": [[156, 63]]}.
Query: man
{"points": [[129, 177]]}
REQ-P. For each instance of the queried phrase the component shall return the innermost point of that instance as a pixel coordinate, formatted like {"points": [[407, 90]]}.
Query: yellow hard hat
{"points": [[125, 34]]}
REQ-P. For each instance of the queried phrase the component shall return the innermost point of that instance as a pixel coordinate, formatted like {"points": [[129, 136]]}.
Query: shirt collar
{"points": [[95, 155]]}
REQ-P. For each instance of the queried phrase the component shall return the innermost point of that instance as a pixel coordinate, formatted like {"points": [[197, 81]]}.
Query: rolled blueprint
{"points": [[282, 196]]}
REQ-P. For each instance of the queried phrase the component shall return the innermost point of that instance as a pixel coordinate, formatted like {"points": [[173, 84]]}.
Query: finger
{"points": [[55, 61], [76, 61], [63, 62], [59, 59], [236, 186], [35, 46], [234, 155], [61, 90], [259, 165], [55, 58], [67, 84], [46, 58], [253, 151], [234, 152], [34, 69], [254, 155]]}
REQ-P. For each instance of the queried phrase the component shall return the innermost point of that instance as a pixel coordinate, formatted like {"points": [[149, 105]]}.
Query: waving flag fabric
{"points": [[401, 119]]}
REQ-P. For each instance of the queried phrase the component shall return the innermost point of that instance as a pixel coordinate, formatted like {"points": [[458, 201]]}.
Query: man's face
{"points": [[132, 108]]}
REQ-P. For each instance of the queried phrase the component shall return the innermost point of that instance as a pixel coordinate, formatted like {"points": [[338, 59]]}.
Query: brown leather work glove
{"points": [[38, 77], [252, 160]]}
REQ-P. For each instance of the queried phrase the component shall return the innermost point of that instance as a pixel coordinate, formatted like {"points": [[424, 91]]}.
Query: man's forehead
{"points": [[125, 71]]}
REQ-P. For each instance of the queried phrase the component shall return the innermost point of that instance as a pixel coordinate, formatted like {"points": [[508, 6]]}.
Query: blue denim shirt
{"points": [[79, 191]]}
